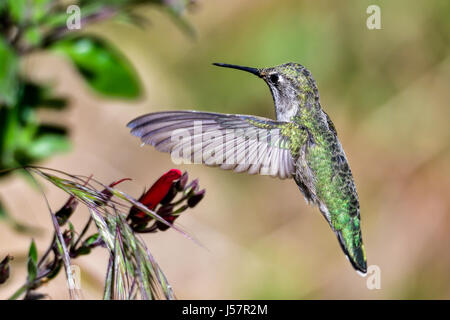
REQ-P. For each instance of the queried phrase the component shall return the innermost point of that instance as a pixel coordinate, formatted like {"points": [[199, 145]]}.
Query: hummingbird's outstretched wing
{"points": [[232, 142]]}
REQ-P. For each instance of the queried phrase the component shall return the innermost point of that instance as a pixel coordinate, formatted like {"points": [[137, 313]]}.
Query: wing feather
{"points": [[257, 147]]}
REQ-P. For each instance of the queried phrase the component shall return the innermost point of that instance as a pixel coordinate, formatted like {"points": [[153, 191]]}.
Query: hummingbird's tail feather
{"points": [[350, 239], [357, 256], [348, 232]]}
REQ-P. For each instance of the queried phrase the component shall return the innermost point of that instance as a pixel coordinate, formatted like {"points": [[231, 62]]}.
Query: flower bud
{"points": [[4, 269], [165, 210], [195, 198], [63, 214], [163, 227], [192, 187], [171, 194], [181, 183]]}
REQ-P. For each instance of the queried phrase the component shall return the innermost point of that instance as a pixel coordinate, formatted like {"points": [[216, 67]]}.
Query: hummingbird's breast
{"points": [[285, 112]]}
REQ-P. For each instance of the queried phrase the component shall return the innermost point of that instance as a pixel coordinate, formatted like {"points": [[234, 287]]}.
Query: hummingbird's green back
{"points": [[324, 170]]}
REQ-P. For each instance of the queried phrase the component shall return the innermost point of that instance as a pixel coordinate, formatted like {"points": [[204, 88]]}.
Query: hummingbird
{"points": [[306, 148]]}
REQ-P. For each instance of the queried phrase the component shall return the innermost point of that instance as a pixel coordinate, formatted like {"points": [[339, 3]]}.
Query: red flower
{"points": [[160, 198], [153, 196]]}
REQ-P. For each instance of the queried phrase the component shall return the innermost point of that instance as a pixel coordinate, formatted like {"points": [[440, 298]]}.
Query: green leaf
{"points": [[55, 20], [47, 145], [32, 252], [9, 124], [9, 67], [82, 251], [104, 68], [23, 140], [33, 36], [23, 11], [32, 262], [40, 9], [89, 241], [18, 10], [3, 213]]}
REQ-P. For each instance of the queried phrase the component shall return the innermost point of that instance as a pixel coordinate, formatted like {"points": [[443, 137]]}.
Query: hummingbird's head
{"points": [[291, 85]]}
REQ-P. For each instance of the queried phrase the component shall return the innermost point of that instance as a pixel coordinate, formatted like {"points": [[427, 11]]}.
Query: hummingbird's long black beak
{"points": [[255, 71]]}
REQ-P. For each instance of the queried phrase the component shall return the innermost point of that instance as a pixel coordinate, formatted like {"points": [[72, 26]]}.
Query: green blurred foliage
{"points": [[23, 139], [103, 68], [360, 67], [28, 26], [8, 74]]}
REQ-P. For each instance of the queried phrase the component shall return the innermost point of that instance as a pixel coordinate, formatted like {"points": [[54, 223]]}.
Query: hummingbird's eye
{"points": [[274, 78]]}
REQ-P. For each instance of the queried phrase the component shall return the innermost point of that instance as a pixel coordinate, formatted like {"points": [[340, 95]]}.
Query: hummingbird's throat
{"points": [[286, 104]]}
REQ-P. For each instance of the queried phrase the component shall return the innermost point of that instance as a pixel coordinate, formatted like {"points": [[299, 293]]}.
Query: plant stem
{"points": [[47, 252], [19, 291], [86, 227]]}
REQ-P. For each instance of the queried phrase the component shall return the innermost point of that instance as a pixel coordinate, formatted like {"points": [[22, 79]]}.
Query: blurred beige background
{"points": [[387, 92]]}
